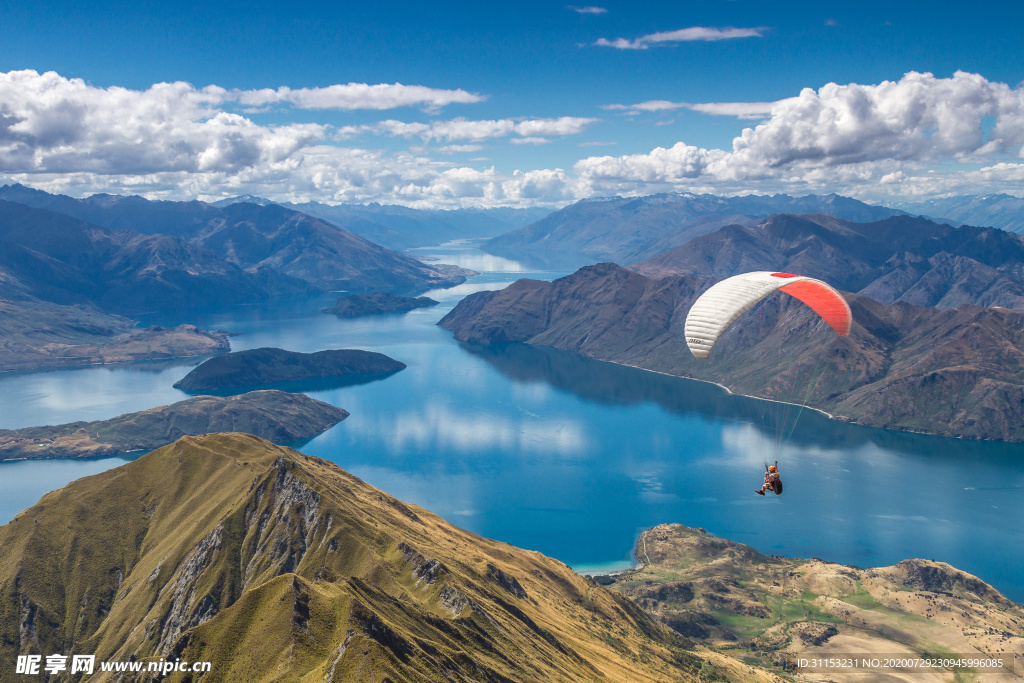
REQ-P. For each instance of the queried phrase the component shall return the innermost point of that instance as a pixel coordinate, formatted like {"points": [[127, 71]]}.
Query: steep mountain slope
{"points": [[783, 610], [897, 259], [631, 229], [956, 372], [997, 210], [274, 415], [277, 566], [44, 335], [259, 239]]}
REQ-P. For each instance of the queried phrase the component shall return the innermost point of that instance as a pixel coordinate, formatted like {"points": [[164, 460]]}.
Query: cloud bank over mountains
{"points": [[921, 135], [849, 135]]}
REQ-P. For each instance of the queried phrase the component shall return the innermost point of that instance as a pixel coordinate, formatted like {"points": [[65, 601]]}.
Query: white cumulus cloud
{"points": [[843, 135], [917, 136], [55, 124]]}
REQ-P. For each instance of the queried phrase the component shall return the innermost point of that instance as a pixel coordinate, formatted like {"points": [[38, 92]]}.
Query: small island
{"points": [[272, 415], [357, 305], [260, 367]]}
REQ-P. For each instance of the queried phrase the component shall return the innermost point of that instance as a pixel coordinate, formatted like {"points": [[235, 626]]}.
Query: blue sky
{"points": [[511, 104]]}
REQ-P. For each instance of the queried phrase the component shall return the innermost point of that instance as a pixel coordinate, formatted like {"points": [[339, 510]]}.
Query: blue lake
{"points": [[573, 457]]}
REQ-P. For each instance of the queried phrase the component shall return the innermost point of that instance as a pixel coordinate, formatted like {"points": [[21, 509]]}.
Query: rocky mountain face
{"points": [[52, 257], [781, 610], [262, 240], [996, 210], [897, 259], [255, 367], [954, 372], [273, 415], [631, 229], [292, 569], [44, 335]]}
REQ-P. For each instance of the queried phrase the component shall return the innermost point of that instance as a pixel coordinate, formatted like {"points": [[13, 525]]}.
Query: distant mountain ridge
{"points": [[956, 372], [256, 238], [399, 227], [1002, 211], [53, 257], [631, 229], [902, 258]]}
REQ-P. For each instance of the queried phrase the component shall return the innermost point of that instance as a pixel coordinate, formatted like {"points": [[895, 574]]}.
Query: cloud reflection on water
{"points": [[439, 427]]}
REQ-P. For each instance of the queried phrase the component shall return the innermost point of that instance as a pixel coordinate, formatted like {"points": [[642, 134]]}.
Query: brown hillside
{"points": [[274, 565]]}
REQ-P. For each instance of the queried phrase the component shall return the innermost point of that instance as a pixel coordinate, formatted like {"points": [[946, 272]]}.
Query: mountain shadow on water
{"points": [[610, 383]]}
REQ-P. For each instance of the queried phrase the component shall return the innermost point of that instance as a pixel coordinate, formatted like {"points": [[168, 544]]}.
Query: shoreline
{"points": [[827, 414], [733, 393]]}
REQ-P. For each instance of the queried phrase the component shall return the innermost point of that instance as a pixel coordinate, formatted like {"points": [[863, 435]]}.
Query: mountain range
{"points": [[955, 372], [903, 258], [996, 210], [48, 256], [630, 229], [258, 239]]}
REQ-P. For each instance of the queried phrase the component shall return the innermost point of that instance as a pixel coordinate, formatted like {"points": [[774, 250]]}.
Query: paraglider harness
{"points": [[772, 479]]}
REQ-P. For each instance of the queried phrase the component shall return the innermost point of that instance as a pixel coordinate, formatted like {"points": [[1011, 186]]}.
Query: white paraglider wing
{"points": [[727, 300]]}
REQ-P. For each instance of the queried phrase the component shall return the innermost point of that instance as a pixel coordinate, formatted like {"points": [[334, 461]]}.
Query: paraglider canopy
{"points": [[727, 300]]}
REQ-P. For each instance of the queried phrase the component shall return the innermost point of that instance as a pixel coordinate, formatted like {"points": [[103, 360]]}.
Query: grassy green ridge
{"points": [[274, 565]]}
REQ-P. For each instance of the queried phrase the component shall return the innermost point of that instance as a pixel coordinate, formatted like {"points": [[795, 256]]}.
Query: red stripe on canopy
{"points": [[825, 301]]}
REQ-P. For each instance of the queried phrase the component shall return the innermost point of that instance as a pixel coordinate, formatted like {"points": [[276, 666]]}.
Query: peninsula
{"points": [[46, 335], [273, 415]]}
